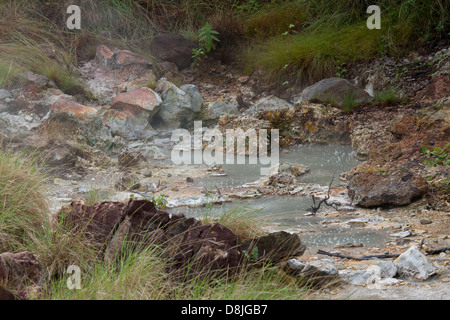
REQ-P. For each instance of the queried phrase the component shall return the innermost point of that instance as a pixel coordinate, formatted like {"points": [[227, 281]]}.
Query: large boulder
{"points": [[274, 247], [334, 90], [375, 189], [209, 248], [131, 113], [69, 121], [173, 48], [180, 105]]}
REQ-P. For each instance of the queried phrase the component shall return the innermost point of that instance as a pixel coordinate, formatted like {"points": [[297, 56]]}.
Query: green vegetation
{"points": [[23, 203], [298, 40], [330, 33], [437, 156], [388, 96]]}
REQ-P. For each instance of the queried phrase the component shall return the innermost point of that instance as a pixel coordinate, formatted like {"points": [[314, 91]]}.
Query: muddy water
{"points": [[323, 161], [289, 213]]}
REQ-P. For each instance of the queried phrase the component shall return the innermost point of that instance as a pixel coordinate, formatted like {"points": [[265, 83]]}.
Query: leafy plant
{"points": [[206, 37], [159, 201], [437, 156], [341, 69]]}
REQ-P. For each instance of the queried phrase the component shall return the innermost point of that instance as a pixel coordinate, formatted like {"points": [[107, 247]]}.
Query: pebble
{"points": [[425, 221]]}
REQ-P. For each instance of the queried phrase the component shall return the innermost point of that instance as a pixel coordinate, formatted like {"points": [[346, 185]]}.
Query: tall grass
{"points": [[23, 202], [328, 32], [144, 275]]}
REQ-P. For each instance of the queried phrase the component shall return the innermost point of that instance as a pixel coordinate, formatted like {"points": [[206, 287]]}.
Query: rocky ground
{"points": [[119, 144]]}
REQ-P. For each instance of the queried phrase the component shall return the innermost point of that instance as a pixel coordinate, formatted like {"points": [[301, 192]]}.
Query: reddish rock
{"points": [[6, 295], [97, 221], [208, 249], [114, 58], [125, 57], [137, 101], [373, 189], [274, 247], [73, 108], [19, 269]]}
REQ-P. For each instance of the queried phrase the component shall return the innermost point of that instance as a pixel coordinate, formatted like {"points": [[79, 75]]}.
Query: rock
{"points": [[18, 126], [334, 90], [368, 189], [357, 278], [136, 102], [73, 109], [275, 247], [308, 123], [40, 82], [215, 110], [295, 169], [209, 249], [173, 48], [179, 107], [70, 122], [4, 94], [315, 273], [131, 113], [127, 125], [388, 269], [425, 221], [194, 93], [413, 263], [114, 58], [18, 270], [6, 295], [282, 179], [270, 103], [97, 222]]}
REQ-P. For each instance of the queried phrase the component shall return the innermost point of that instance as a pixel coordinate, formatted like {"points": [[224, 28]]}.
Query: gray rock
{"points": [[270, 103], [5, 94], [413, 264], [334, 90], [17, 126], [217, 109], [178, 107], [194, 93], [357, 278]]}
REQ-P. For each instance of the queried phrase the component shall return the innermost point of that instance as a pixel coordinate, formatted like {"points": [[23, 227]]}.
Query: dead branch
{"points": [[380, 256], [314, 208]]}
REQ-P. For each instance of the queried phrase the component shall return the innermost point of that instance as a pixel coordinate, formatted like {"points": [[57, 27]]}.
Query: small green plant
{"points": [[341, 69], [388, 96], [437, 156], [349, 102], [159, 201], [207, 38], [288, 31]]}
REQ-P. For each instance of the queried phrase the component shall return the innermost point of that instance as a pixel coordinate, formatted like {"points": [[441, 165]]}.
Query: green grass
{"points": [[23, 202], [388, 96], [143, 275], [311, 56], [329, 33]]}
